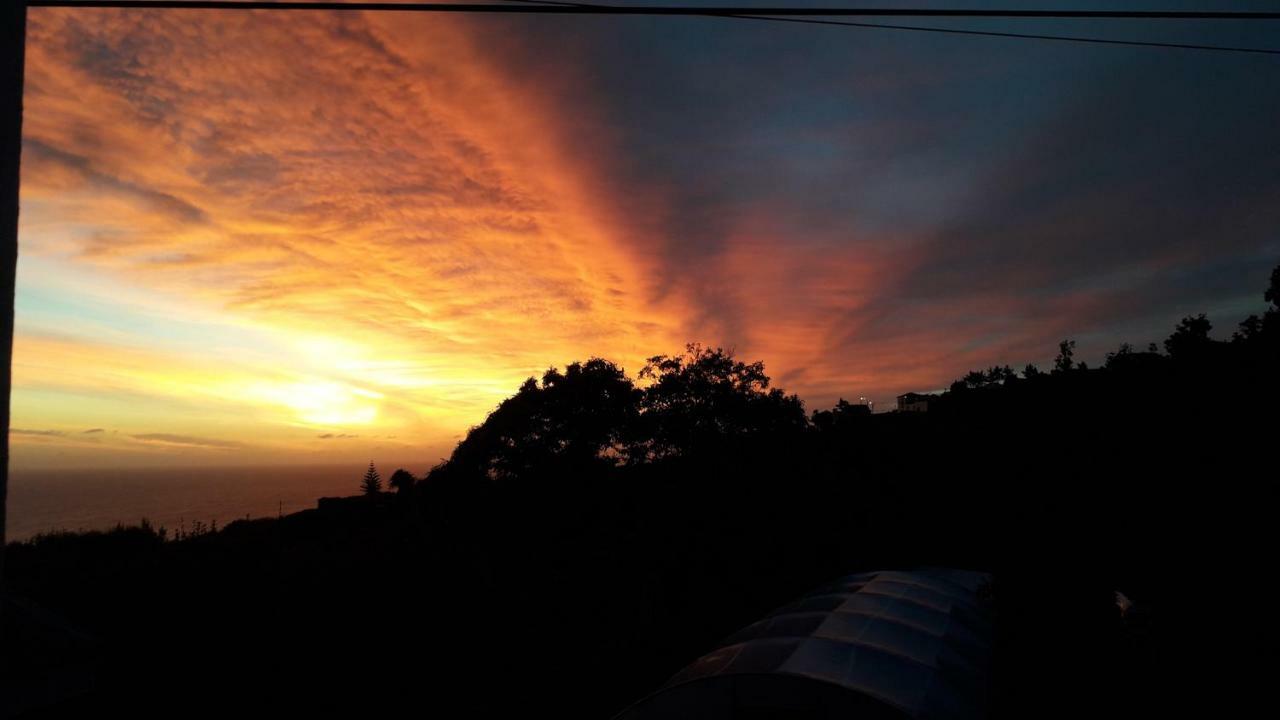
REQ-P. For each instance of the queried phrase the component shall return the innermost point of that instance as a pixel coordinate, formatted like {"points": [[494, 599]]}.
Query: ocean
{"points": [[44, 500]]}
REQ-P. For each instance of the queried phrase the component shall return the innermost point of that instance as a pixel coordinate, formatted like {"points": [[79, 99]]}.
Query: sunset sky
{"points": [[257, 237]]}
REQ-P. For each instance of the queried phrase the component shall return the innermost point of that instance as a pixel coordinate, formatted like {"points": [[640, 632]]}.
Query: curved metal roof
{"points": [[888, 644]]}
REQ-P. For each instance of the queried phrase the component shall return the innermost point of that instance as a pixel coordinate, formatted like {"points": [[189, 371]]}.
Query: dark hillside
{"points": [[595, 535]]}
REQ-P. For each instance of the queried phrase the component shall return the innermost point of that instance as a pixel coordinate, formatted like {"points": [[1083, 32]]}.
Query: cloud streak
{"points": [[37, 433], [186, 441]]}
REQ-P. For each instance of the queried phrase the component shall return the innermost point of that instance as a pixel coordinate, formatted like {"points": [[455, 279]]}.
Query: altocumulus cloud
{"points": [[323, 177]]}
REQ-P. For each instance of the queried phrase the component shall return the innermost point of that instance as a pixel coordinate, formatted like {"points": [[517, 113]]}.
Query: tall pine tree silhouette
{"points": [[372, 482]]}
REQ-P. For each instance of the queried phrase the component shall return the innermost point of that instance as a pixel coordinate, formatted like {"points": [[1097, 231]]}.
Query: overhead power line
{"points": [[1024, 36], [755, 15], [809, 16], [590, 9]]}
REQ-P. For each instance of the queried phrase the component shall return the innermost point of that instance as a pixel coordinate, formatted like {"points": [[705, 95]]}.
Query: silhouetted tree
{"points": [[401, 480], [579, 419], [1124, 351], [706, 396], [1000, 374], [371, 484], [1267, 335], [1031, 371], [1066, 351], [976, 379], [1250, 330], [1191, 337]]}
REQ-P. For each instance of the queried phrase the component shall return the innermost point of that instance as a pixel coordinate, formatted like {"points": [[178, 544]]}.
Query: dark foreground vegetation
{"points": [[596, 534]]}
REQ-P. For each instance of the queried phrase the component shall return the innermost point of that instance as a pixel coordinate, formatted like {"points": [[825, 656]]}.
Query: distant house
{"points": [[915, 402]]}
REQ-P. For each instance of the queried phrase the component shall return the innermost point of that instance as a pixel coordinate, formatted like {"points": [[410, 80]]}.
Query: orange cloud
{"points": [[392, 211]]}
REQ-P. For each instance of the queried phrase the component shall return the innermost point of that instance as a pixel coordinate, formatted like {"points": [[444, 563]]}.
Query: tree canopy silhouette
{"points": [[1190, 338], [1065, 362], [706, 395], [575, 420], [593, 416], [401, 480]]}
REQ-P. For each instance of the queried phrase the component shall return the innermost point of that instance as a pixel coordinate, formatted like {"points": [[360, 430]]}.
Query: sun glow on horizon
{"points": [[322, 403]]}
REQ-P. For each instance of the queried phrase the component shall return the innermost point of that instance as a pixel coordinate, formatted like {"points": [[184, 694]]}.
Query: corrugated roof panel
{"points": [[913, 642]]}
